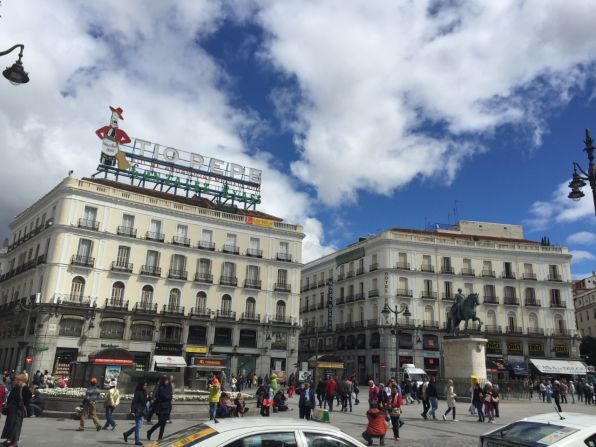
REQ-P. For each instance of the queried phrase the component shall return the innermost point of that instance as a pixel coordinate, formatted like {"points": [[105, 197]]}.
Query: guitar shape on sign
{"points": [[111, 138]]}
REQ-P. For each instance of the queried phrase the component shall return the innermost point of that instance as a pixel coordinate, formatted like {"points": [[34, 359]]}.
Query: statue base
{"points": [[464, 357]]}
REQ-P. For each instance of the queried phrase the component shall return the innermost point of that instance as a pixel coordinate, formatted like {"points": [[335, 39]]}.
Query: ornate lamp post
{"points": [[406, 313], [16, 74], [579, 181]]}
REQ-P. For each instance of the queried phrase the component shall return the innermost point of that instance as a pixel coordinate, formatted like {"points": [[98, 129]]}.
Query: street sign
{"points": [[29, 359]]}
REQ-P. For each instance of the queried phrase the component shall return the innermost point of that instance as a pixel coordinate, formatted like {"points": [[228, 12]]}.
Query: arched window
{"points": [[532, 321], [280, 310], [511, 322], [77, 288], [351, 342], [405, 341], [226, 304], [361, 341], [117, 294], [429, 315], [250, 308], [174, 300], [430, 342], [146, 295], [491, 319], [71, 326], [201, 302]]}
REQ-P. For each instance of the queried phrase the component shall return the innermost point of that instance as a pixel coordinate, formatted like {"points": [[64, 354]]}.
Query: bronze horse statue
{"points": [[466, 311]]}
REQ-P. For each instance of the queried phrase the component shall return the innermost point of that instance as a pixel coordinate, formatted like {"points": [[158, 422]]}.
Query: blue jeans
{"points": [[212, 410], [109, 419], [434, 404], [136, 429]]}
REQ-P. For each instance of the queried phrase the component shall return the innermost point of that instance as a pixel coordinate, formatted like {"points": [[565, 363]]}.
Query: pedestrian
{"points": [[425, 400], [542, 388], [564, 389], [111, 402], [291, 390], [306, 402], [382, 397], [478, 401], [549, 392], [240, 405], [346, 390], [234, 383], [37, 405], [450, 398], [3, 394], [356, 391], [267, 402], [433, 397], [163, 407], [320, 392], [373, 393], [88, 407], [394, 407], [496, 399], [16, 409], [556, 391], [214, 394], [330, 392], [376, 427], [138, 408], [488, 402], [262, 391], [572, 391]]}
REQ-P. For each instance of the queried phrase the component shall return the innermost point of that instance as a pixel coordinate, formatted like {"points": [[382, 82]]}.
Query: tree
{"points": [[587, 349]]}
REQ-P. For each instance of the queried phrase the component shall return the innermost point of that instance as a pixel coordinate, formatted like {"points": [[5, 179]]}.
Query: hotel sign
{"points": [[493, 347], [536, 348]]}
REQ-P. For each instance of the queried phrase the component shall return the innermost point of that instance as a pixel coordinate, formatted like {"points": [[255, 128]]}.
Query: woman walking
{"points": [[478, 400], [16, 409], [395, 402], [450, 398], [163, 407], [111, 402], [489, 409], [138, 409]]}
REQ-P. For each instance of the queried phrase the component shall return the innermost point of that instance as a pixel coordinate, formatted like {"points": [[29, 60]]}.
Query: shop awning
{"points": [[570, 367], [518, 368], [495, 365], [169, 361]]}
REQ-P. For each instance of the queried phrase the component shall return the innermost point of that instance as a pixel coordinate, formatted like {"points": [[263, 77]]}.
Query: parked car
{"points": [[259, 432], [545, 430]]}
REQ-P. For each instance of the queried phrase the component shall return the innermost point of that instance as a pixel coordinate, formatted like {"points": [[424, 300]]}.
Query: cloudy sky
{"points": [[363, 115]]}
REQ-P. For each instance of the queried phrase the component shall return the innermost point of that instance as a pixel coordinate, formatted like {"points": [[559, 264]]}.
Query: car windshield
{"points": [[189, 436], [532, 433]]}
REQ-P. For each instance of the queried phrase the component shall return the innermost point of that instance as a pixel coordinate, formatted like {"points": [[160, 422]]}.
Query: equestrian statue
{"points": [[463, 309]]}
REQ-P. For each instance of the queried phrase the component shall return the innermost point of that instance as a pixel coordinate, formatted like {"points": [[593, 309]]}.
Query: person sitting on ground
{"points": [[225, 406], [376, 427], [36, 405], [240, 405], [279, 401]]}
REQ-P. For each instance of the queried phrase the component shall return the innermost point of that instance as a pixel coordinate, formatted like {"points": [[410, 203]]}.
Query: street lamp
{"points": [[406, 313], [578, 181], [16, 74]]}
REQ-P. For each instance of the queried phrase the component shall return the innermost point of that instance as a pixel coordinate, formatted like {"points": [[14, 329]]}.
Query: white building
{"points": [[524, 288]]}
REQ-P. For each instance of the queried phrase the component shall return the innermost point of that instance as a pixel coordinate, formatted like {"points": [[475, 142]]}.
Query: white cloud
{"points": [[580, 256], [581, 238], [372, 75], [84, 56]]}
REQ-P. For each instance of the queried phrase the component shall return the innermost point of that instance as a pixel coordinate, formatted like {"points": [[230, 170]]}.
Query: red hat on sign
{"points": [[93, 381], [117, 110]]}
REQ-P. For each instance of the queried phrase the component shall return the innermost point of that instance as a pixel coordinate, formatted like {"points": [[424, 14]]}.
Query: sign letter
{"points": [[254, 175], [217, 166], [196, 161], [170, 154]]}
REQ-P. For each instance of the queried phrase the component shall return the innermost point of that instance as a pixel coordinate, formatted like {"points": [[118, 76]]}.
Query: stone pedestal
{"points": [[464, 357]]}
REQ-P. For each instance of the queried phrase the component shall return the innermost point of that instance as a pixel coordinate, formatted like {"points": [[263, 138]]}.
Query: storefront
{"points": [[326, 365], [63, 359], [496, 368], [107, 364], [141, 360], [556, 368], [432, 366], [201, 369], [173, 349], [168, 363], [194, 351], [246, 364]]}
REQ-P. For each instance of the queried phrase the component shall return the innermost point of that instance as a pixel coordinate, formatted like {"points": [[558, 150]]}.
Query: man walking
{"points": [[330, 392], [346, 394], [112, 401], [306, 402], [89, 404]]}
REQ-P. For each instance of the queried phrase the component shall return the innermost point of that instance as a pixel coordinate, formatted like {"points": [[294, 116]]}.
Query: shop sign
{"points": [[259, 221], [109, 345], [514, 347], [536, 348], [330, 365], [561, 349], [493, 346], [330, 306], [197, 349], [168, 347], [209, 362], [406, 359], [431, 363], [29, 359], [112, 361], [39, 348]]}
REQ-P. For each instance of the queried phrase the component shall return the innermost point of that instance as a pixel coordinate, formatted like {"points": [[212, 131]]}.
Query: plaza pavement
{"points": [[415, 433]]}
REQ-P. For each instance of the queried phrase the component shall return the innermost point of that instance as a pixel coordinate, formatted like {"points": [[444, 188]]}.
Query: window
{"points": [[509, 292], [77, 288], [532, 321], [448, 286], [560, 325], [467, 265], [155, 228], [226, 304], [222, 336], [280, 310], [90, 214], [553, 271], [231, 241], [201, 301], [402, 259], [117, 297], [197, 335], [375, 284], [375, 340], [402, 286], [248, 339], [181, 235], [428, 286], [375, 259], [170, 333], [284, 248], [428, 314], [555, 297], [511, 321], [112, 329], [178, 263], [84, 249], [174, 300], [491, 319], [207, 236], [147, 295], [128, 221], [468, 288], [142, 332], [229, 270], [507, 270], [123, 256], [489, 291], [282, 277], [251, 306], [152, 259], [530, 295], [71, 327], [528, 271], [252, 274], [204, 266], [446, 264]]}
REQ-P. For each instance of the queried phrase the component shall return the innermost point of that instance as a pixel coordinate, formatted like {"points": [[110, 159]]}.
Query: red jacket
{"points": [[331, 387], [2, 397], [376, 422], [373, 394]]}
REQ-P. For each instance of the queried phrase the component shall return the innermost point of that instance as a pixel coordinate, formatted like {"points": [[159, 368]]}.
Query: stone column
{"points": [[464, 357]]}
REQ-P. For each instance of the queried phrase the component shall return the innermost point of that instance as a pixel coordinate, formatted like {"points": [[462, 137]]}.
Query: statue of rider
{"points": [[459, 303]]}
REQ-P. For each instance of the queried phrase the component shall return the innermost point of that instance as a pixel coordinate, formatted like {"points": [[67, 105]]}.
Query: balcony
{"points": [[178, 274], [374, 266], [74, 300], [150, 270], [206, 245], [341, 276], [508, 275], [490, 299], [225, 315], [359, 296], [200, 312], [349, 298], [428, 324], [529, 276], [340, 300], [250, 316], [490, 329], [321, 283], [404, 293], [562, 332], [359, 271], [280, 319], [350, 274], [402, 266], [321, 306], [148, 308], [82, 261], [121, 267], [286, 257], [427, 268], [254, 252], [373, 293], [181, 240], [126, 231], [448, 270], [313, 286], [558, 305], [252, 284], [204, 277], [447, 297], [427, 295], [372, 323], [468, 272], [229, 248], [488, 274], [535, 332], [282, 287], [407, 323], [228, 281], [172, 310], [556, 277], [89, 224], [156, 237], [42, 259], [511, 301], [532, 302], [516, 330]]}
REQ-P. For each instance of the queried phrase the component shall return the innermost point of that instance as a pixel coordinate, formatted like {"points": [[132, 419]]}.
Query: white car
{"points": [[259, 432], [545, 430]]}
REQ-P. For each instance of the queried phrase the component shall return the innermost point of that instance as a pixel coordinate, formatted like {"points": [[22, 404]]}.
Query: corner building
{"points": [[114, 265], [524, 289]]}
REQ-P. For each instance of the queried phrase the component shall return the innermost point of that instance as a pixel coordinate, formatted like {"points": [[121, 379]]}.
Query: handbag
{"points": [[396, 412]]}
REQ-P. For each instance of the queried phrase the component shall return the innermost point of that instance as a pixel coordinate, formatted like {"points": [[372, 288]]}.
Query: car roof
{"points": [[227, 425], [571, 419]]}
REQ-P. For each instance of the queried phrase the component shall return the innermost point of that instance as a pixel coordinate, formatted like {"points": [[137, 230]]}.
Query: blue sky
{"points": [[362, 115]]}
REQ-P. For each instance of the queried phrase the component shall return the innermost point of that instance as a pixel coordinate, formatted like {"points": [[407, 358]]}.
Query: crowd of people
{"points": [[561, 391]]}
